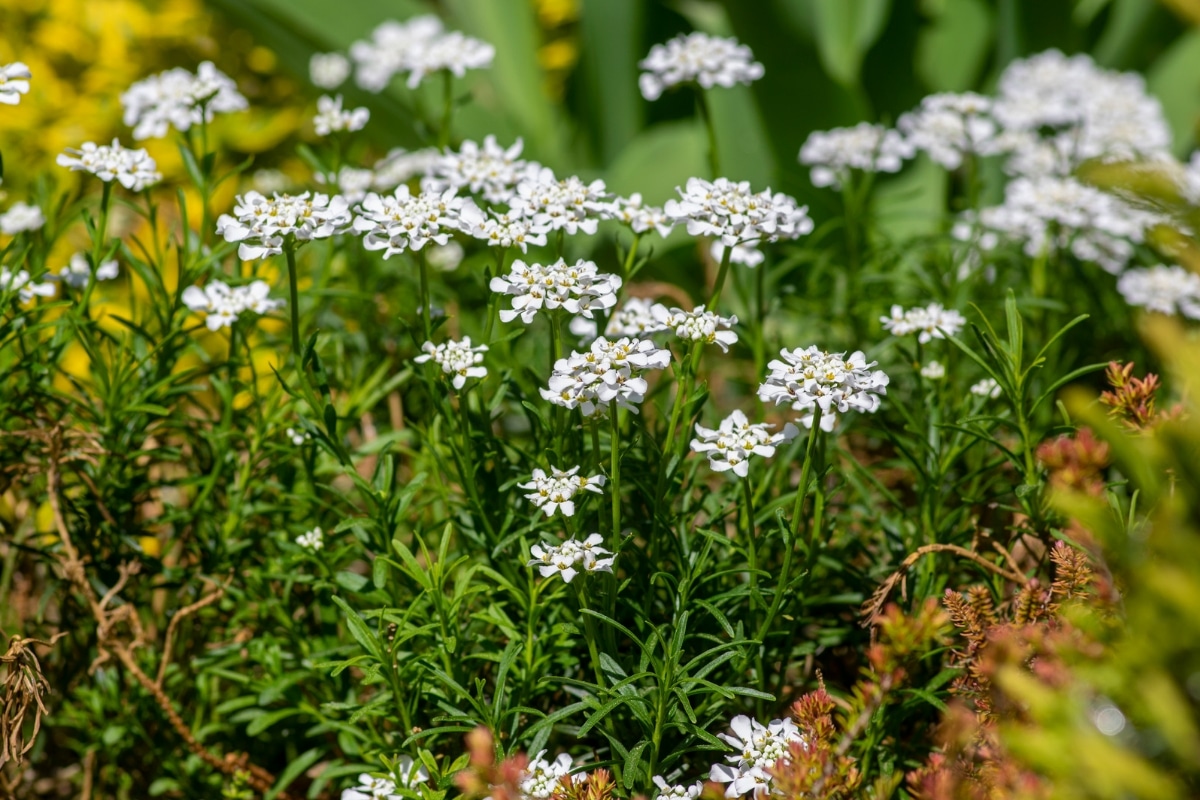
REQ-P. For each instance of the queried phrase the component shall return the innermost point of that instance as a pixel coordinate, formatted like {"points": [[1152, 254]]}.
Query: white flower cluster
{"points": [[697, 58], [20, 283], [730, 446], [458, 359], [332, 118], [406, 221], [261, 225], [834, 153], [78, 271], [566, 204], [635, 317], [542, 777], [638, 216], [487, 169], [222, 304], [555, 492], [578, 288], [328, 70], [679, 791], [14, 82], [298, 436], [949, 126], [697, 325], [397, 167], [933, 371], [607, 373], [1050, 214], [812, 378], [986, 388], [1167, 290], [417, 48], [312, 540], [758, 748], [565, 559], [729, 211], [931, 322], [745, 254], [180, 99], [411, 774], [133, 169], [1190, 182], [21, 217]]}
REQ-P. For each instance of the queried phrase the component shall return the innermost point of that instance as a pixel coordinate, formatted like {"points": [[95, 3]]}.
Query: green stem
{"points": [[447, 108], [423, 268], [706, 115], [722, 273], [615, 476], [289, 251], [805, 474], [751, 547]]}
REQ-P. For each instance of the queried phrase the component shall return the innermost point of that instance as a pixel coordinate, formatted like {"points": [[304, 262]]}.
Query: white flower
{"points": [[371, 789], [453, 51], [410, 772], [272, 181], [14, 82], [697, 58], [488, 170], [503, 230], [353, 183], [311, 540], [20, 283], [930, 322], [986, 388], [222, 305], [698, 325], [677, 791], [569, 204], [949, 126], [328, 70], [757, 748], [607, 373], [404, 221], [175, 98], [745, 254], [639, 217], [1167, 290], [635, 317], [417, 47], [578, 288], [1190, 181], [565, 560], [298, 437], [261, 225], [811, 378], [933, 371], [834, 153], [446, 257], [331, 118], [458, 359], [541, 778], [730, 446], [400, 166], [732, 213], [555, 492], [78, 271], [133, 169], [21, 217]]}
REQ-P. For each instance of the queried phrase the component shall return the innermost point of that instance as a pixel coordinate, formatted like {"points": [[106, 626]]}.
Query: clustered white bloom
{"points": [[677, 791], [1167, 290], [21, 217], [949, 126], [635, 317], [133, 169], [488, 170], [262, 226], [639, 217], [730, 446], [758, 748], [564, 559], [834, 153], [607, 373], [312, 540], [698, 325], [78, 271], [555, 204], [697, 58], [933, 371], [732, 213], [14, 82], [180, 99], [25, 288], [332, 118], [353, 183], [458, 359], [556, 491], [578, 288], [370, 788], [446, 257], [930, 322], [542, 777], [405, 221], [745, 254], [1190, 182], [400, 166], [328, 70], [986, 388], [222, 304], [417, 47], [503, 230], [298, 437], [812, 378]]}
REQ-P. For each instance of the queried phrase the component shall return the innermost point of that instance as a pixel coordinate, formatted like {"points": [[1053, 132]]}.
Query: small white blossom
{"points": [[566, 561], [949, 126], [446, 257], [272, 181], [14, 82], [261, 225], [730, 446], [812, 378], [454, 51], [986, 388], [607, 373], [78, 271], [457, 359], [400, 166], [298, 437], [635, 317], [578, 288], [541, 778], [757, 748], [20, 283], [639, 217], [175, 98], [1167, 290], [569, 204], [404, 221], [1190, 181], [697, 58], [745, 254], [930, 322], [312, 540], [698, 325], [933, 371], [865, 147], [133, 169], [328, 70], [667, 791], [417, 47], [503, 230], [21, 217], [353, 183], [732, 213], [332, 118], [487, 169], [222, 304], [556, 491]]}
